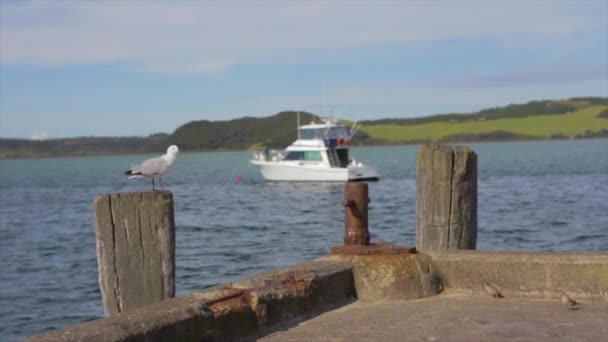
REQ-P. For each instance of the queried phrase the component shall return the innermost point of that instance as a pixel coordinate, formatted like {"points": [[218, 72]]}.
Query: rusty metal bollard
{"points": [[355, 214], [356, 233]]}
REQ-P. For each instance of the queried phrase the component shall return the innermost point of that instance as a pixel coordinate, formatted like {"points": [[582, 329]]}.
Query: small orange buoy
{"points": [[237, 179]]}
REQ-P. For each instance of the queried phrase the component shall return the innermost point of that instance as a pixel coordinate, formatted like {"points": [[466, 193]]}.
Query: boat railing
{"points": [[337, 142]]}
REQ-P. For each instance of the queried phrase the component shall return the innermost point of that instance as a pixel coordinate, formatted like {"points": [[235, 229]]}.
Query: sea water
{"points": [[543, 195]]}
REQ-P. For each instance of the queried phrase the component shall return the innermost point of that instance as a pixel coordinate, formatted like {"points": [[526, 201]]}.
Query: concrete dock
{"points": [[454, 317], [389, 297]]}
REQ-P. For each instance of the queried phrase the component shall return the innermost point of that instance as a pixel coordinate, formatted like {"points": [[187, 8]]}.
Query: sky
{"points": [[134, 68]]}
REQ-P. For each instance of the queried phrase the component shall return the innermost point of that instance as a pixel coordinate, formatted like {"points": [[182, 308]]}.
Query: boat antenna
{"points": [[354, 128], [298, 128], [323, 97]]}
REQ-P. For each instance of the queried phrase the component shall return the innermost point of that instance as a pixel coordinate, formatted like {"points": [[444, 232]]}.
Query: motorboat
{"points": [[320, 153]]}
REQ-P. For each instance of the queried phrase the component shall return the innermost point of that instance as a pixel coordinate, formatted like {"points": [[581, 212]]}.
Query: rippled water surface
{"points": [[532, 196]]}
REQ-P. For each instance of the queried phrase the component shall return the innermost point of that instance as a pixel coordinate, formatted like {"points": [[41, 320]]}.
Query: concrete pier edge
{"points": [[244, 309], [258, 305], [526, 274]]}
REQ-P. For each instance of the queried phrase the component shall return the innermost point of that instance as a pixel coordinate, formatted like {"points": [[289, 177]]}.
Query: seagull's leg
{"points": [[153, 184], [161, 184]]}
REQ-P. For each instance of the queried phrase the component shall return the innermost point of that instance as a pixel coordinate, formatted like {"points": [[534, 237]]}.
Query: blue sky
{"points": [[118, 68]]}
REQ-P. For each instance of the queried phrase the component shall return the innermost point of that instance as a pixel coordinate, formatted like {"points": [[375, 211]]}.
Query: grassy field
{"points": [[545, 119], [539, 126]]}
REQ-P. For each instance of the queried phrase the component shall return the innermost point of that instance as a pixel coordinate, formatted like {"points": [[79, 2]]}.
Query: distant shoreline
{"points": [[604, 135], [576, 118]]}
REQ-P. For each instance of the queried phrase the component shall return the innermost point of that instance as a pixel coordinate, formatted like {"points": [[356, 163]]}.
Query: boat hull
{"points": [[280, 171]]}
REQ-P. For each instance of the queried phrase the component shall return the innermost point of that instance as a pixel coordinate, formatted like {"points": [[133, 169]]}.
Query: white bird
{"points": [[571, 303], [492, 290], [155, 167]]}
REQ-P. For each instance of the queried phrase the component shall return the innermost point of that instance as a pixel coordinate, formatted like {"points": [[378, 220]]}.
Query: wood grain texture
{"points": [[446, 198], [135, 249]]}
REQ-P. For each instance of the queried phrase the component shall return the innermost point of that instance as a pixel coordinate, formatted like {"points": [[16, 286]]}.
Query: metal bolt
{"points": [[348, 203]]}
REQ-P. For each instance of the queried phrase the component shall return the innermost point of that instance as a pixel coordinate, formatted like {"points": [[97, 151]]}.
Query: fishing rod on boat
{"points": [[354, 128]]}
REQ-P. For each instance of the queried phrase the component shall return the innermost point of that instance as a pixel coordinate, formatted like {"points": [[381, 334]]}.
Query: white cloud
{"points": [[208, 37], [211, 67], [39, 136]]}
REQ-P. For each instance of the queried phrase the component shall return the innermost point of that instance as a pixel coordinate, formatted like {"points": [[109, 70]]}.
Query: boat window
{"points": [[312, 133], [304, 155], [337, 132], [323, 133]]}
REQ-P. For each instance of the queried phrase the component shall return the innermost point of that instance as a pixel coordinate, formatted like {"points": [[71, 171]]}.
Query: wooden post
{"points": [[446, 198], [355, 214], [135, 249]]}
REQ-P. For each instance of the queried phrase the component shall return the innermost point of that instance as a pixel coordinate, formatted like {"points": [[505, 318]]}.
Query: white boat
{"points": [[320, 153]]}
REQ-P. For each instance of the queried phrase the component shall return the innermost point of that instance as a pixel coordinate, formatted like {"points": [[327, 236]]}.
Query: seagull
{"points": [[571, 303], [493, 290], [155, 167]]}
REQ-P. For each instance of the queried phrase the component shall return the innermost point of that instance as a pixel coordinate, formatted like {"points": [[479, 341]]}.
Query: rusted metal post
{"points": [[355, 214], [356, 233]]}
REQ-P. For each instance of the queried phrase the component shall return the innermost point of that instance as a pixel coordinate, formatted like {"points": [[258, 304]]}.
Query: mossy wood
{"points": [[446, 198], [135, 249]]}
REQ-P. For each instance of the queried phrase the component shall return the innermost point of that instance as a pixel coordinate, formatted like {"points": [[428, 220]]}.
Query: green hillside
{"points": [[276, 131], [573, 118], [532, 108], [85, 146], [584, 122]]}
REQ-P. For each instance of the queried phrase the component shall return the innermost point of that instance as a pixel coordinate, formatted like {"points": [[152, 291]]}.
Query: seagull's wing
{"points": [[150, 167]]}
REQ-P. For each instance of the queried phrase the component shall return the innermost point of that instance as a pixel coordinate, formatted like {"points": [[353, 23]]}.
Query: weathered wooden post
{"points": [[446, 198], [135, 249], [355, 214]]}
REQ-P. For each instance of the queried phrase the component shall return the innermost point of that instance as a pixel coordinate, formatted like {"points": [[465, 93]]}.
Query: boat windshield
{"points": [[304, 155], [323, 133]]}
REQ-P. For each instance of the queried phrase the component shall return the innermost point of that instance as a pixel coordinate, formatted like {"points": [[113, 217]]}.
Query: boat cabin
{"points": [[323, 132], [335, 143]]}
